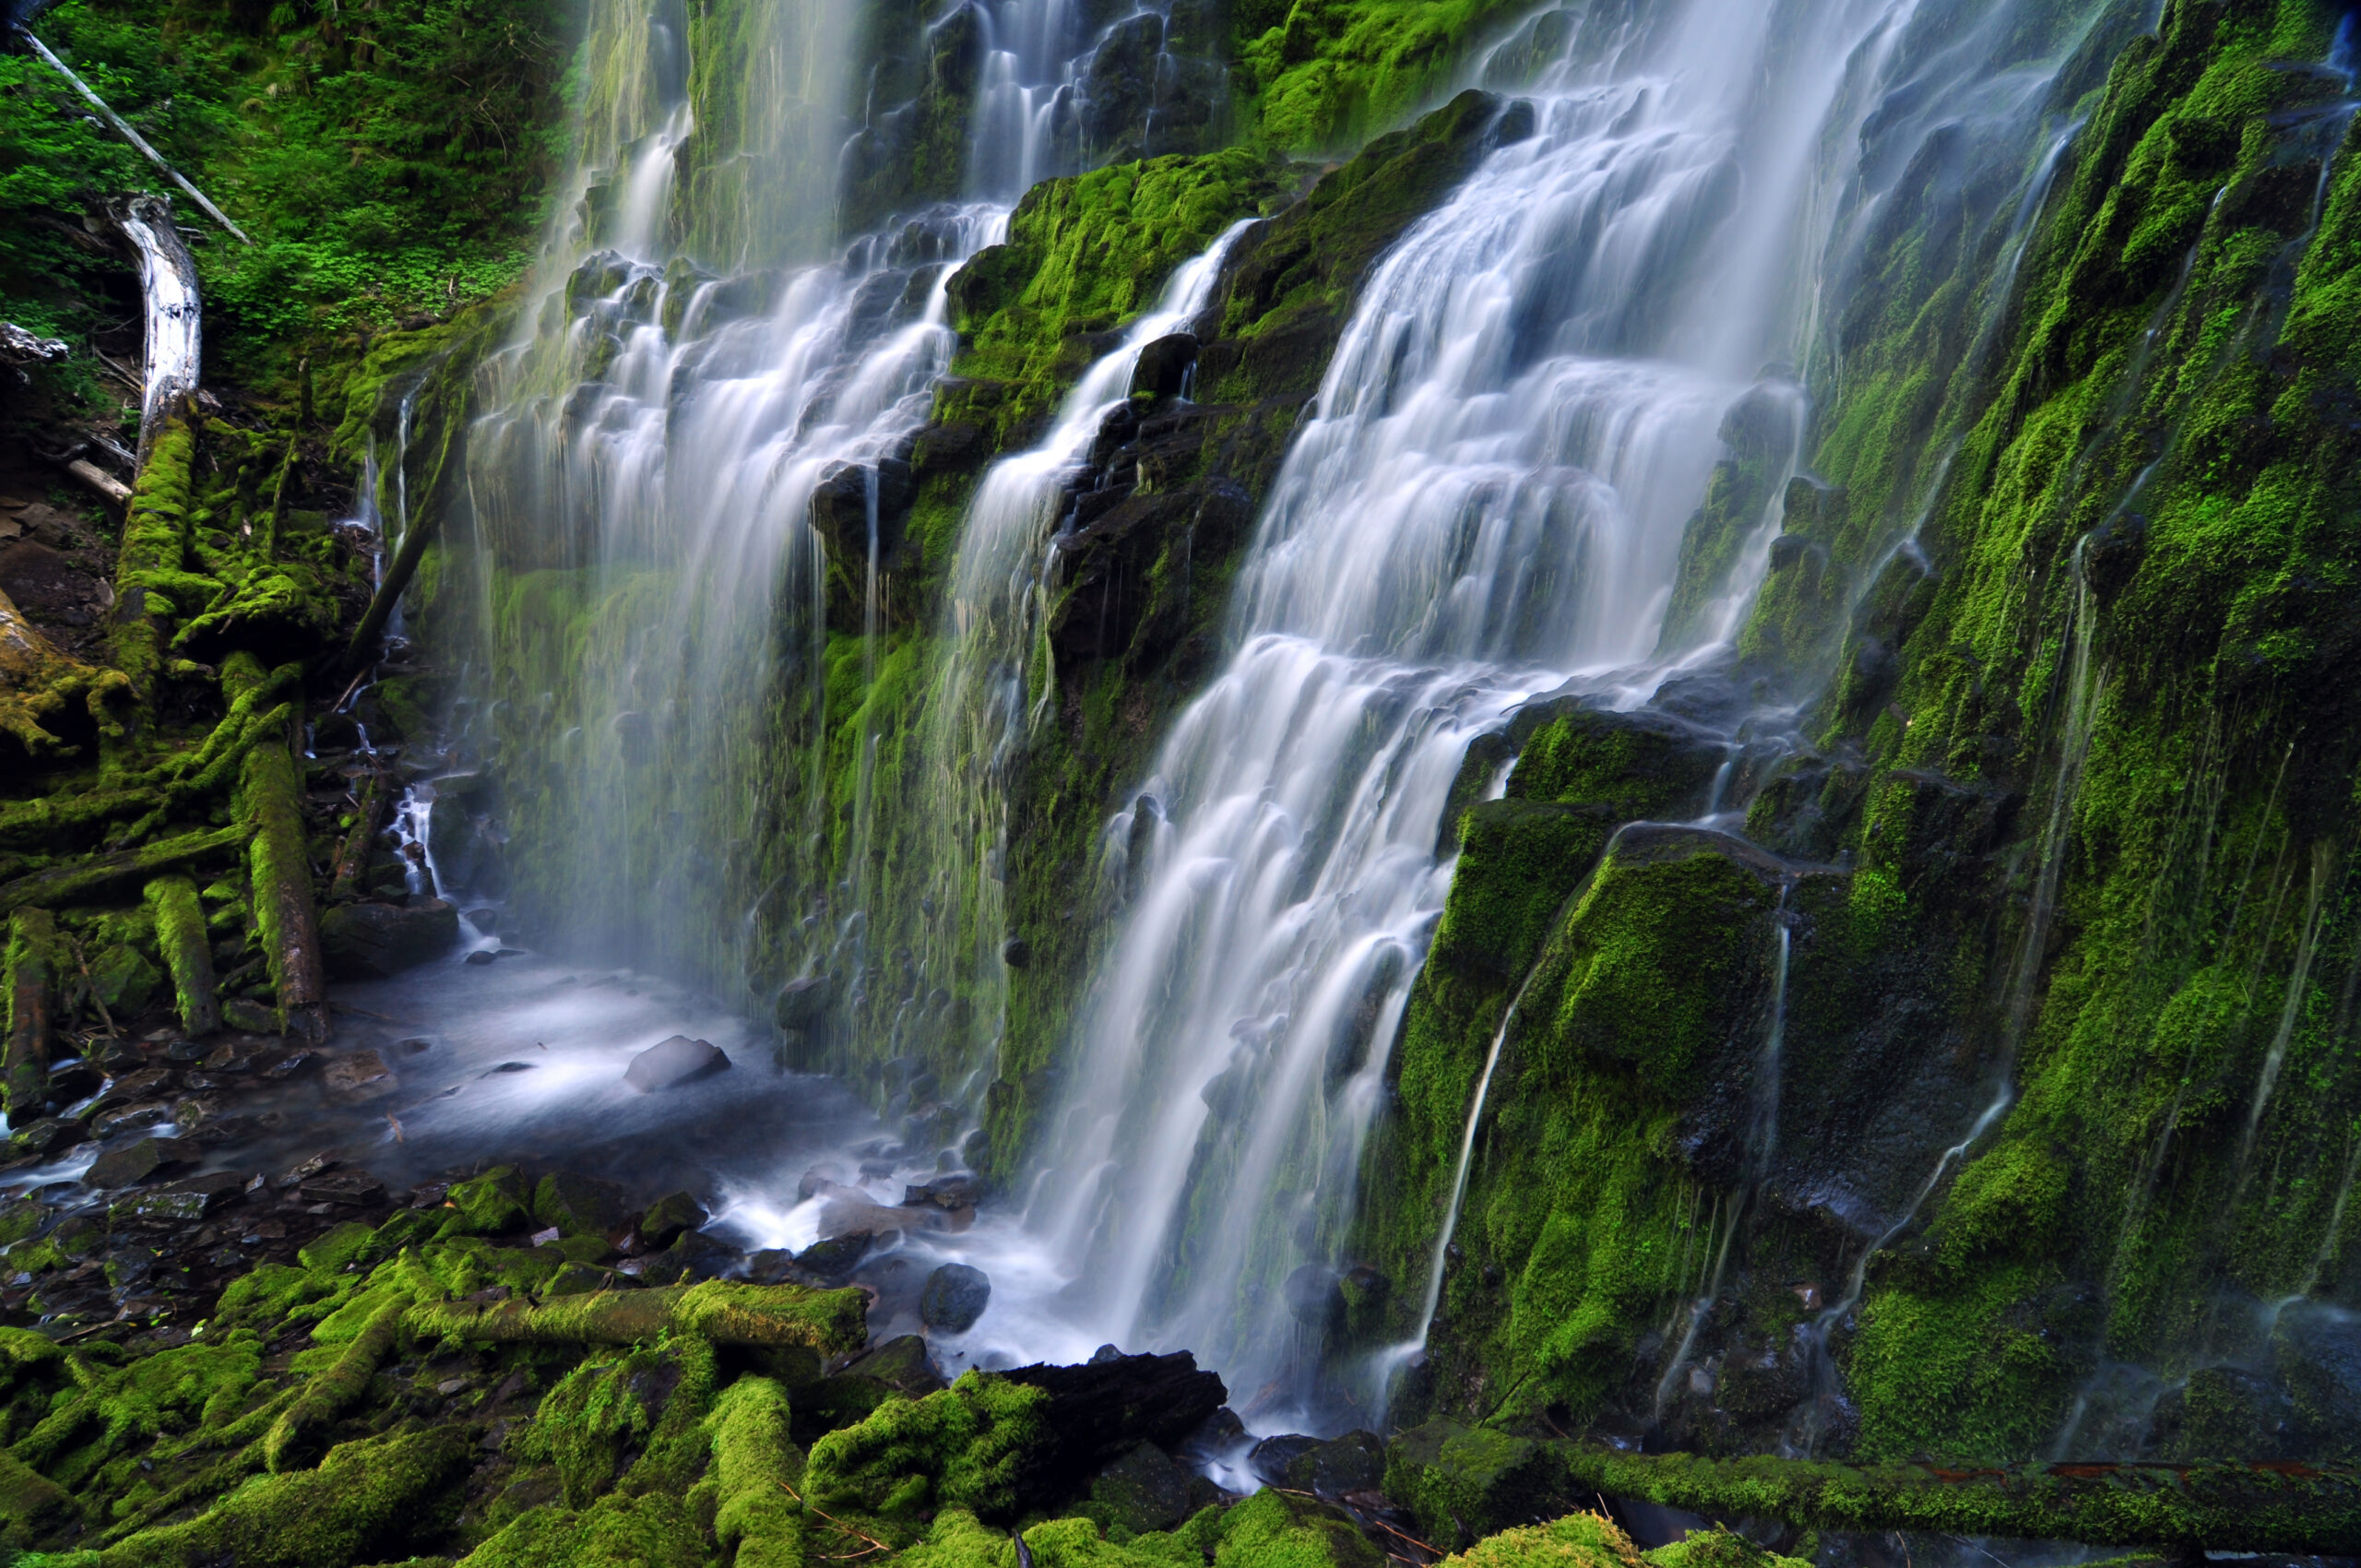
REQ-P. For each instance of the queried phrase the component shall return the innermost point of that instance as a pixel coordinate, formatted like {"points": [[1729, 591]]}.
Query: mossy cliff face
{"points": [[2065, 864]]}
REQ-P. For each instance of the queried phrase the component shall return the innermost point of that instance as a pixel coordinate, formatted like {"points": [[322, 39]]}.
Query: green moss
{"points": [[755, 1467], [1462, 1483], [603, 1414], [1086, 255], [1325, 73], [1586, 1540], [366, 1500], [1718, 1547], [1273, 1530], [34, 968], [652, 1531], [965, 1447], [488, 1205]]}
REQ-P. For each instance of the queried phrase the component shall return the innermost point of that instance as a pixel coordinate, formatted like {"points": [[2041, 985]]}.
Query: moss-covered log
{"points": [[365, 1503], [37, 683], [55, 820], [152, 559], [2290, 1508], [181, 937], [346, 879], [270, 812], [102, 875], [294, 1440], [828, 1321], [32, 976]]}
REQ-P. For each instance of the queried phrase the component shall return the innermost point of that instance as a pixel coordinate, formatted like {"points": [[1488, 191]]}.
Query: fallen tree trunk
{"points": [[123, 129], [828, 1321], [86, 880], [2289, 1508], [32, 970], [98, 479], [167, 291], [294, 1442], [352, 857], [270, 811], [37, 682], [188, 954]]}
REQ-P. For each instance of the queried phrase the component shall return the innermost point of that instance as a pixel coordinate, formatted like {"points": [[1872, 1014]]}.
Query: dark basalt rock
{"points": [[835, 1258], [374, 941], [1142, 1490], [1164, 365], [955, 1297], [669, 1217], [1269, 1459], [1099, 1411], [135, 1163]]}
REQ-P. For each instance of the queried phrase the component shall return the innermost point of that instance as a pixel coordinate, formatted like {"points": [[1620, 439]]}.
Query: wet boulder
{"points": [[578, 1204], [955, 1297], [136, 1162], [1463, 1483], [1099, 1410], [373, 941], [677, 1061], [1353, 1463], [1163, 367], [357, 1077], [835, 1257], [668, 1217], [1142, 1490], [1269, 1459]]}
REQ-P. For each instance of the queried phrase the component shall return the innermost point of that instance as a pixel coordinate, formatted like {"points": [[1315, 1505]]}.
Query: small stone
{"points": [[1016, 953], [291, 1063], [670, 1215], [505, 1067], [134, 1163], [450, 1386], [246, 1015], [955, 1297], [835, 1258], [75, 1080], [1163, 366], [481, 957], [185, 1050], [771, 1265], [357, 1077], [351, 1187], [945, 1192], [1269, 1459], [189, 1200], [50, 1134], [132, 1089], [676, 1061], [305, 1172], [578, 1279], [236, 1056], [546, 1238], [817, 1178]]}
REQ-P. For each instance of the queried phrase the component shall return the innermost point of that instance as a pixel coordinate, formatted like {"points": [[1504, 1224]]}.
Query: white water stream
{"points": [[1487, 503]]}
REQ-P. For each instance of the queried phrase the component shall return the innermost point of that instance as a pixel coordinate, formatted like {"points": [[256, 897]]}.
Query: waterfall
{"points": [[1485, 503], [983, 697], [1062, 88]]}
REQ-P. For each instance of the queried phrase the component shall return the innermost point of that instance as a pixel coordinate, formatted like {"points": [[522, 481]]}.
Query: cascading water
{"points": [[1065, 83], [684, 477], [1488, 504], [983, 699]]}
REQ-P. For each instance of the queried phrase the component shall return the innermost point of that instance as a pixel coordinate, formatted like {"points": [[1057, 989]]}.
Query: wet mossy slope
{"points": [[2064, 891]]}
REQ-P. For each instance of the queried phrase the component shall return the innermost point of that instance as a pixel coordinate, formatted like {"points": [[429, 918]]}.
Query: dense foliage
{"points": [[388, 157]]}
